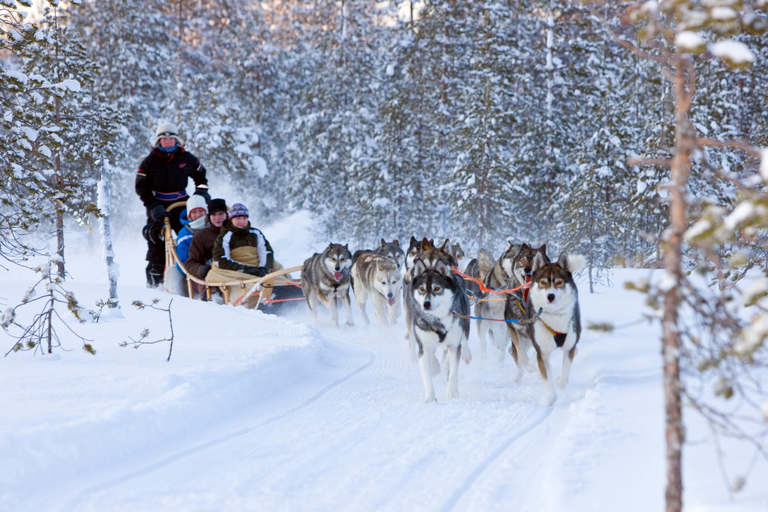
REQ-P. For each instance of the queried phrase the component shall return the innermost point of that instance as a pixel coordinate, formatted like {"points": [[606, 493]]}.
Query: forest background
{"points": [[481, 121]]}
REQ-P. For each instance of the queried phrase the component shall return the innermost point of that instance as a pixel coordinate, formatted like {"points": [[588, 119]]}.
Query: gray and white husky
{"points": [[439, 317], [393, 251], [513, 269], [429, 255], [378, 277], [554, 292], [325, 277]]}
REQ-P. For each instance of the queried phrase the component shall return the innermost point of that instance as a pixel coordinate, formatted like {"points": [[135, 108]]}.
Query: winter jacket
{"points": [[201, 251], [162, 177], [243, 250], [184, 239]]}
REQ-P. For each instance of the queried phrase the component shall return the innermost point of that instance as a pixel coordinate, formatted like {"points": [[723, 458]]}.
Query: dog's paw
{"points": [[561, 382], [531, 365], [551, 398]]}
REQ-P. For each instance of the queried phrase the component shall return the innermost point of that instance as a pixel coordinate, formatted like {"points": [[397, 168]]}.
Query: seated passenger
{"points": [[193, 220], [201, 246], [241, 253]]}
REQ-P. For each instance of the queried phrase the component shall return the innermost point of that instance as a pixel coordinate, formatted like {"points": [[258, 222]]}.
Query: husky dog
{"points": [[515, 311], [414, 249], [430, 256], [379, 277], [393, 251], [510, 271], [325, 276], [455, 251], [554, 292], [473, 289], [439, 316]]}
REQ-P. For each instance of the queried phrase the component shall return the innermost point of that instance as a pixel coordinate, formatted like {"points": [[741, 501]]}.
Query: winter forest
{"points": [[630, 133], [479, 121]]}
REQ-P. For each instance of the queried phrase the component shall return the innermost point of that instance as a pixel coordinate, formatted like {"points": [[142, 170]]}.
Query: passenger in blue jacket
{"points": [[193, 221], [162, 180]]}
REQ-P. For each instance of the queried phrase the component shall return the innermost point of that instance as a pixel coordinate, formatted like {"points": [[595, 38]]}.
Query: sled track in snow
{"points": [[73, 503], [473, 476]]}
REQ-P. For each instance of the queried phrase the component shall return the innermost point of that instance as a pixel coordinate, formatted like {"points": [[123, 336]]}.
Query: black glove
{"points": [[202, 192], [152, 234], [254, 271], [205, 271], [261, 271], [157, 213]]}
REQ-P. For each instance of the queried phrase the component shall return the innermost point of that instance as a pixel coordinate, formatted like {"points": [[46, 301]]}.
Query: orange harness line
{"points": [[486, 289]]}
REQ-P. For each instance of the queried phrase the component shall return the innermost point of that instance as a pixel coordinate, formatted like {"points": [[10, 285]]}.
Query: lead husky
{"points": [[378, 277], [429, 255], [325, 276], [554, 292], [439, 317]]}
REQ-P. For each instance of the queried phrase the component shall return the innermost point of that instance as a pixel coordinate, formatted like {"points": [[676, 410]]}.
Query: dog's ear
{"points": [[446, 246], [442, 268], [396, 242], [426, 244], [543, 250], [572, 263], [538, 261], [383, 243], [524, 247], [419, 267]]}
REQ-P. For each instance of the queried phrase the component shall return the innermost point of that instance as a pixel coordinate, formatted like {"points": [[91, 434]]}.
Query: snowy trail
{"points": [[354, 435]]}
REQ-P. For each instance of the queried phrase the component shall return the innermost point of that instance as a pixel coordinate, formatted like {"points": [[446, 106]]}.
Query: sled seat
{"points": [[257, 293]]}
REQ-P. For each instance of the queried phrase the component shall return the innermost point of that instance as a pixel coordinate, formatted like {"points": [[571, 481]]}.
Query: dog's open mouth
{"points": [[391, 302], [337, 275]]}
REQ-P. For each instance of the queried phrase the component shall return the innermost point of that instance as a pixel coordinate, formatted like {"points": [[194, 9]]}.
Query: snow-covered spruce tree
{"points": [[79, 130], [46, 171], [133, 46], [718, 344], [481, 180], [333, 125]]}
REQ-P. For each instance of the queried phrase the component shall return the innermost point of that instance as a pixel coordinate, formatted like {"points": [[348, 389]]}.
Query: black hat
{"points": [[216, 205]]}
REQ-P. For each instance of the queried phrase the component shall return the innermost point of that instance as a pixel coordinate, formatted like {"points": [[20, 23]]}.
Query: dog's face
{"points": [[552, 283], [431, 255], [523, 262], [337, 259], [432, 288], [388, 280], [393, 251], [412, 253], [458, 255]]}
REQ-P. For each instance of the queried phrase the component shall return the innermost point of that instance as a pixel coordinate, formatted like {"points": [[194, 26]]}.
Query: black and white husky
{"points": [[379, 278], [439, 317], [554, 292], [325, 277]]}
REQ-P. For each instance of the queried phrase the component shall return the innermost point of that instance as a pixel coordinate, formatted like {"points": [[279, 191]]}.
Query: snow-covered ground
{"points": [[258, 412]]}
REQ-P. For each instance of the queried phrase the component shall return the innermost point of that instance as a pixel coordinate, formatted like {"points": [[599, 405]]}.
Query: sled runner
{"points": [[272, 293]]}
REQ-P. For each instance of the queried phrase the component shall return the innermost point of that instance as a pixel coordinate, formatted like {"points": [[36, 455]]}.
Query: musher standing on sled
{"points": [[161, 181]]}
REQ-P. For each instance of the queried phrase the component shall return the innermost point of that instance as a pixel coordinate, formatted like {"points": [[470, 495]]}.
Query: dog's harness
{"points": [[559, 336]]}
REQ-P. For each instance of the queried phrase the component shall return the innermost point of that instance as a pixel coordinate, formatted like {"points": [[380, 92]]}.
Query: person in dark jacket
{"points": [[162, 180], [201, 248], [242, 253]]}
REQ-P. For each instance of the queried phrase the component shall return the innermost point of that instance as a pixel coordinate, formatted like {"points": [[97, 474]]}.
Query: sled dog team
{"points": [[524, 297]]}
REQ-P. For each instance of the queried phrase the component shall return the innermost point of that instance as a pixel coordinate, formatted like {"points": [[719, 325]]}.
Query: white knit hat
{"points": [[196, 201], [167, 130]]}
